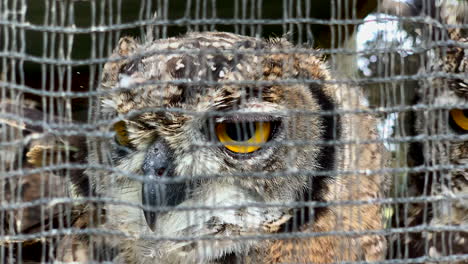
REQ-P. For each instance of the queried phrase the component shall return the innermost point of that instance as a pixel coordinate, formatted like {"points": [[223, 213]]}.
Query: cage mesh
{"points": [[409, 59]]}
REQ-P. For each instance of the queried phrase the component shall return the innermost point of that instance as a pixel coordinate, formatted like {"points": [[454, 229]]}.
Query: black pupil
{"points": [[465, 113], [240, 131]]}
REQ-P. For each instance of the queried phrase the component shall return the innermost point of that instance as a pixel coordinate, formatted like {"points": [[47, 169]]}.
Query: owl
{"points": [[226, 148], [443, 127]]}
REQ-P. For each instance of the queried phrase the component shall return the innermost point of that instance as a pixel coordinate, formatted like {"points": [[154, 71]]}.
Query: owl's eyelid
{"points": [[247, 118]]}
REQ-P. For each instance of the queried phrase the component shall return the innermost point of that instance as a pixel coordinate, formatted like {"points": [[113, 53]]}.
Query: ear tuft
{"points": [[126, 46], [110, 74]]}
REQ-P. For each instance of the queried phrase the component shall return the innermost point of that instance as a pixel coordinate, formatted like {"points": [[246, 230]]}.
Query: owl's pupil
{"points": [[240, 131], [465, 113]]}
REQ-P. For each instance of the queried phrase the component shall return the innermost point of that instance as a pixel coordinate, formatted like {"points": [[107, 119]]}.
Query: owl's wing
{"points": [[33, 160]]}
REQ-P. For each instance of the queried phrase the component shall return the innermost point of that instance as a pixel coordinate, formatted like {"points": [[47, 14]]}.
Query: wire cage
{"points": [[245, 131]]}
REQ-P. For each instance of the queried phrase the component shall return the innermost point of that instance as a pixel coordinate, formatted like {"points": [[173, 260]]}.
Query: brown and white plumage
{"points": [[174, 94], [446, 120]]}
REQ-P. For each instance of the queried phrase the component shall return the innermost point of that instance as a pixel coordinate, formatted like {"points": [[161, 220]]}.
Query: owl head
{"points": [[216, 135]]}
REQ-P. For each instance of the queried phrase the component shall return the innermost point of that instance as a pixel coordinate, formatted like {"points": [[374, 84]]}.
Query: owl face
{"points": [[441, 128], [447, 121], [449, 117], [209, 135], [452, 122], [450, 179]]}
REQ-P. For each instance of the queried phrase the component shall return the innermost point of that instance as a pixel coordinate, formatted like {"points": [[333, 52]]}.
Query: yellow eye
{"points": [[121, 135], [460, 117], [251, 135]]}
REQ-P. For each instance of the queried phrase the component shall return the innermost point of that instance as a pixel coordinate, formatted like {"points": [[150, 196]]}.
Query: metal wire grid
{"points": [[74, 48]]}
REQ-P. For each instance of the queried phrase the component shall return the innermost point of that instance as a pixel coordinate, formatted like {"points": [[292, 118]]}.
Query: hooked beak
{"points": [[153, 196], [157, 165]]}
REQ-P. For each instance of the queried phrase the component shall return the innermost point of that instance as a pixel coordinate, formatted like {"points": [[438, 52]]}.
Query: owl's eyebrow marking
{"points": [[146, 123], [231, 102], [143, 121]]}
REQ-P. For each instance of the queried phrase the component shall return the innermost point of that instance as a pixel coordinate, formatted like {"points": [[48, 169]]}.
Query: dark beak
{"points": [[157, 167]]}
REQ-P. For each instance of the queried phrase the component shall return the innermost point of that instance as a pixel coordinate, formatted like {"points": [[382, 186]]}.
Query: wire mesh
{"points": [[230, 149]]}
